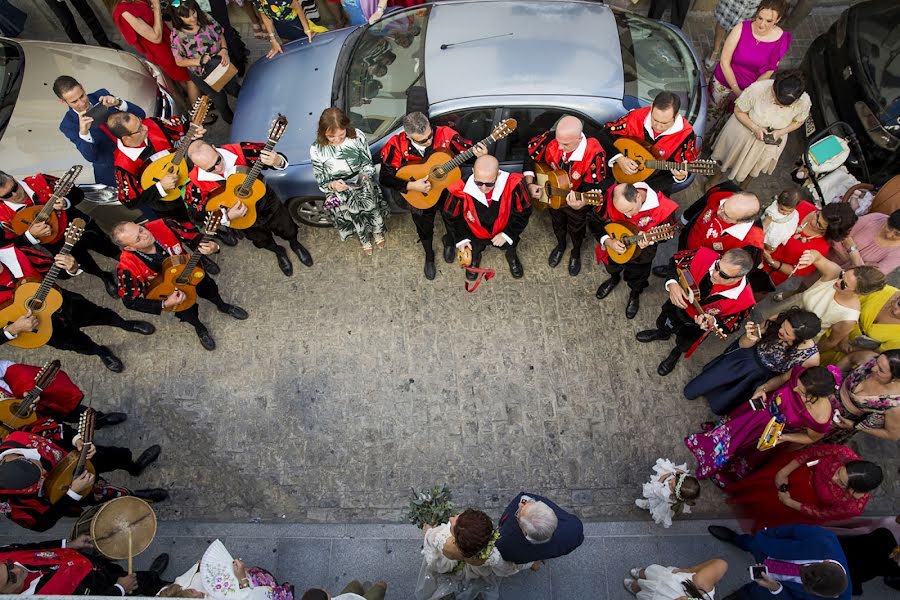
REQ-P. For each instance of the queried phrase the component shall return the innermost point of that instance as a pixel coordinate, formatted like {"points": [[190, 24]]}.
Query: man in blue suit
{"points": [[804, 562], [532, 529], [93, 140]]}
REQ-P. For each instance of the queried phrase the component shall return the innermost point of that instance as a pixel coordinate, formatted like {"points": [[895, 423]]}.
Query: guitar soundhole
{"points": [[437, 173], [240, 193], [34, 304]]}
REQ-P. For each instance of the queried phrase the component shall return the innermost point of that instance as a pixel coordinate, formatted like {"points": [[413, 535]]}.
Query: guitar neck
{"points": [[245, 188], [62, 188], [51, 276], [194, 259], [668, 165], [579, 196], [82, 459], [465, 155], [183, 143]]}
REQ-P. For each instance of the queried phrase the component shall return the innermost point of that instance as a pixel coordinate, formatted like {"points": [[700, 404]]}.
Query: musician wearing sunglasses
{"points": [[37, 190], [490, 208], [213, 165], [415, 144], [724, 296], [567, 148]]}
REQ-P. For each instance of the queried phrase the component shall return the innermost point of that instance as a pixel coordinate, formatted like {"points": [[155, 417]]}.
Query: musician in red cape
{"points": [[28, 456], [37, 190], [73, 568], [490, 208], [213, 165], [415, 144], [724, 295], [645, 209], [659, 125], [567, 148], [61, 399], [144, 248], [76, 312]]}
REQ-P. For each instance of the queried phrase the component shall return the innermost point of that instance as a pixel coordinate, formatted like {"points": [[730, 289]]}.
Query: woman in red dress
{"points": [[816, 485]]}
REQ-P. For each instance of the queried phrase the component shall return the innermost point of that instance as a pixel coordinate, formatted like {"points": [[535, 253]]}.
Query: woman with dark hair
{"points": [[869, 397], [198, 44], [755, 136], [764, 351], [656, 582], [813, 486], [460, 559], [803, 401], [342, 165]]}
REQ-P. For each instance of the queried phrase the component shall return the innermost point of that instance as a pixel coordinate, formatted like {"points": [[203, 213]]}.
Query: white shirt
{"points": [[476, 193], [576, 155]]}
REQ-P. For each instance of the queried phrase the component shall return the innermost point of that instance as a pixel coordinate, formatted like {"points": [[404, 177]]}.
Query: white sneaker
{"points": [[627, 583], [635, 572]]}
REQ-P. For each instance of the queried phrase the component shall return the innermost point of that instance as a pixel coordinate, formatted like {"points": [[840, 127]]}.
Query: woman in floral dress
{"points": [[342, 165], [870, 397]]}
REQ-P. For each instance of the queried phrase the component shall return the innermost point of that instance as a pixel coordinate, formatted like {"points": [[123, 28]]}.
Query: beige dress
{"points": [[819, 299], [737, 149]]}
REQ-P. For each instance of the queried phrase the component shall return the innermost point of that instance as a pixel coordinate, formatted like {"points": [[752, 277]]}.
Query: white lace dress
{"points": [[440, 576], [657, 495]]}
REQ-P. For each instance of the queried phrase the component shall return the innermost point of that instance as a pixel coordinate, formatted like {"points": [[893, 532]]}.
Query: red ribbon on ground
{"points": [[483, 275]]}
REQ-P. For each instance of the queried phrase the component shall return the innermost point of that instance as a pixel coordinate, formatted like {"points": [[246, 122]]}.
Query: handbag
{"points": [[217, 76]]}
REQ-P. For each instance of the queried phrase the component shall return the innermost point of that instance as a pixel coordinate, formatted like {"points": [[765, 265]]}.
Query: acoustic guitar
{"points": [[183, 273], [16, 413], [40, 297], [442, 168], [73, 464], [44, 213], [245, 186], [174, 161], [628, 233], [556, 185], [649, 162], [692, 289]]}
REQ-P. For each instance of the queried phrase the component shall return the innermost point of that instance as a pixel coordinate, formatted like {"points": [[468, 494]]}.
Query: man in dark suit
{"points": [[93, 140], [533, 529], [803, 562]]}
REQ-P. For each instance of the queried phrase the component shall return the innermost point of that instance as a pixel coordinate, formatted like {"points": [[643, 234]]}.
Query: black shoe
{"points": [[234, 311], [668, 363], [284, 263], [110, 360], [729, 536], [302, 253], [209, 265], [206, 340], [575, 263], [109, 419], [227, 237], [147, 458], [667, 271], [515, 267], [152, 494], [141, 327], [556, 256], [449, 253], [634, 304], [476, 262], [607, 286], [430, 270], [651, 335], [111, 285], [160, 564]]}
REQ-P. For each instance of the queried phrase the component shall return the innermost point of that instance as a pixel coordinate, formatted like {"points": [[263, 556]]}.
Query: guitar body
{"points": [[60, 478], [161, 167], [637, 151], [167, 282], [19, 305], [617, 230], [229, 195], [9, 420], [23, 219], [439, 181], [549, 179]]}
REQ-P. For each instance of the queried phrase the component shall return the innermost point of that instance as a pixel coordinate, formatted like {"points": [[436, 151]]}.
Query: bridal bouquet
{"points": [[431, 507]]}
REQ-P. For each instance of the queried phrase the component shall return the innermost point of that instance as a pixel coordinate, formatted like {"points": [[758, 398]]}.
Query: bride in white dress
{"points": [[459, 558]]}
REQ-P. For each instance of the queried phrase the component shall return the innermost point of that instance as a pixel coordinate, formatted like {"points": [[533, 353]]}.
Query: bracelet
{"points": [[272, 36], [852, 249], [780, 264]]}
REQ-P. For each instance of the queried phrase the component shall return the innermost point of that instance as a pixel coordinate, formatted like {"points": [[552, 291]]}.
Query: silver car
{"points": [[468, 64]]}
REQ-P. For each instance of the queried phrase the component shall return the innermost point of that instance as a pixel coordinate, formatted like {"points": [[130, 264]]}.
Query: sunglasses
{"points": [[487, 184], [425, 141], [217, 163], [722, 273], [841, 283], [12, 191], [11, 577]]}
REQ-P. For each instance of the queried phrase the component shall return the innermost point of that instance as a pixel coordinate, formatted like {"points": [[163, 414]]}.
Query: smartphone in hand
{"points": [[98, 112], [757, 404], [757, 571]]}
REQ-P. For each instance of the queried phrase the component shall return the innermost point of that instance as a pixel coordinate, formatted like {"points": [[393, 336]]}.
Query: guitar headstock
{"points": [[211, 226], [86, 425], [503, 129], [703, 167], [74, 231], [592, 198], [279, 126], [46, 374], [199, 110], [66, 182]]}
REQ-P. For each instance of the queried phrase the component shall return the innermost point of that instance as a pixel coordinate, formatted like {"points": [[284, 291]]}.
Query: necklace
{"points": [[799, 235]]}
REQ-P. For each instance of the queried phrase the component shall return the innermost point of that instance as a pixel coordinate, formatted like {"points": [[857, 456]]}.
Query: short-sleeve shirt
{"points": [[280, 10], [207, 40], [758, 100]]}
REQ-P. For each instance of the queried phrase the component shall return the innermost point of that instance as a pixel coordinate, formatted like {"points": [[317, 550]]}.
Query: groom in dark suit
{"points": [[804, 563], [533, 528]]}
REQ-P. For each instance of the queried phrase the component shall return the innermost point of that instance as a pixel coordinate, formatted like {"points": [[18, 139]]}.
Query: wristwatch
{"points": [[783, 487]]}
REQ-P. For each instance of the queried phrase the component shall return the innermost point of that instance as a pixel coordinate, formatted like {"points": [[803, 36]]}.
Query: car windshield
{"points": [[388, 60], [656, 59], [879, 54], [12, 63]]}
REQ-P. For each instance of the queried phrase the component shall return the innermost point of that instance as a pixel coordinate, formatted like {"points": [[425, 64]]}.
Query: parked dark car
{"points": [[853, 72]]}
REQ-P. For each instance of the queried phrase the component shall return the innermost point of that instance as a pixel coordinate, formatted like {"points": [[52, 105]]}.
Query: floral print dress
{"points": [[206, 40], [361, 209]]}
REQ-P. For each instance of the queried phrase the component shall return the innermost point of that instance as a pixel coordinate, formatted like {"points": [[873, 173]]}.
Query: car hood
{"points": [[32, 139], [297, 84]]}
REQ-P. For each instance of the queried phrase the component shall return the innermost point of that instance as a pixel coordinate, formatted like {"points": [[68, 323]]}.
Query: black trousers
{"points": [[571, 222], [273, 219], [78, 312], [636, 273], [478, 246], [220, 98], [209, 290], [677, 15], [424, 222], [70, 26], [237, 50], [674, 320], [107, 458]]}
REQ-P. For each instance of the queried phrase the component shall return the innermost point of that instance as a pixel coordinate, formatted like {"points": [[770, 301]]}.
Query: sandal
{"points": [[711, 61], [379, 240], [367, 249], [258, 32]]}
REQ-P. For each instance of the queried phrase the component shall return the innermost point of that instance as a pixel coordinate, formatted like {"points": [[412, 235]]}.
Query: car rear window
{"points": [[12, 63], [879, 52]]}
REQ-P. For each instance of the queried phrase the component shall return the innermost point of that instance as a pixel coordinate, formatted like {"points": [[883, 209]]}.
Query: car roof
{"points": [[566, 48]]}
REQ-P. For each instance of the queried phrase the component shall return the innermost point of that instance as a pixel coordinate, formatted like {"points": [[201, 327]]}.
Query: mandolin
{"points": [[245, 186], [628, 233], [556, 185], [183, 273], [174, 161], [44, 213], [72, 464], [442, 168], [692, 289], [649, 162], [16, 413], [40, 297]]}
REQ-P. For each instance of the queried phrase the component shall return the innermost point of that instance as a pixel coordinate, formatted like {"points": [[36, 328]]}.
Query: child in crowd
{"points": [[671, 491], [781, 219]]}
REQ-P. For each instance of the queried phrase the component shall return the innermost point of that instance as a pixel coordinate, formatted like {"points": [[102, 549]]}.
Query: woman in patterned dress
{"points": [[870, 397], [342, 165]]}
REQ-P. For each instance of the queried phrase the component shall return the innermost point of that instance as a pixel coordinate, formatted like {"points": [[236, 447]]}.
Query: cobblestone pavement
{"points": [[357, 378]]}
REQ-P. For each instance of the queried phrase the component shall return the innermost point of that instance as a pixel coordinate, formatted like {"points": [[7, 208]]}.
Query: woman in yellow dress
{"points": [[879, 324]]}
